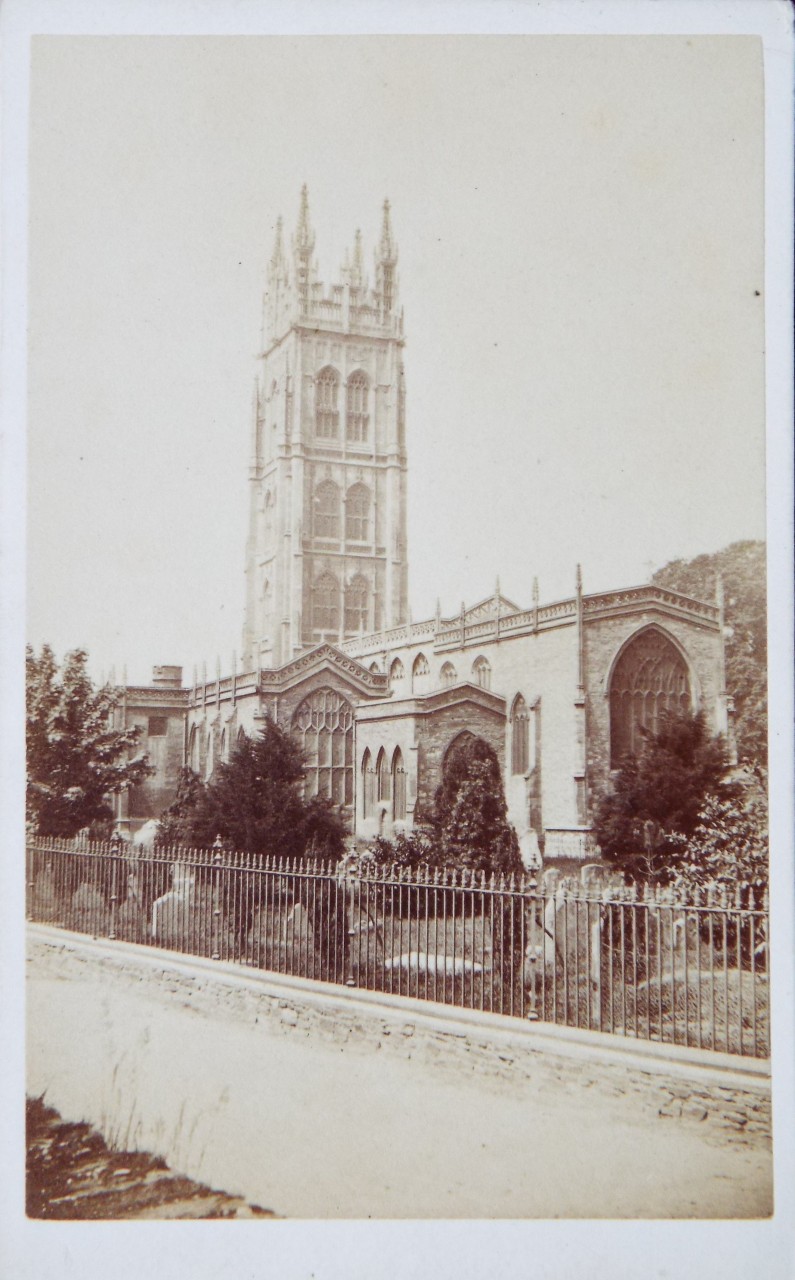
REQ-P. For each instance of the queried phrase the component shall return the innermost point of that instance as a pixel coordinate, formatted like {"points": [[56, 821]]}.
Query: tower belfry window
{"points": [[356, 416], [357, 513], [325, 604], [356, 600], [326, 412], [327, 510]]}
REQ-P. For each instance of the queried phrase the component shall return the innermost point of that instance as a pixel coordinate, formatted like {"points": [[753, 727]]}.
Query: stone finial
{"points": [[387, 248], [535, 591], [304, 242], [277, 257], [579, 579]]}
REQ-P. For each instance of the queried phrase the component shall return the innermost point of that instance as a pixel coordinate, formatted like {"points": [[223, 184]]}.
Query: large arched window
{"points": [[326, 413], [326, 603], [398, 787], [520, 736], [482, 672], [357, 513], [420, 674], [356, 601], [323, 727], [649, 679], [326, 520], [356, 418], [448, 675], [368, 785]]}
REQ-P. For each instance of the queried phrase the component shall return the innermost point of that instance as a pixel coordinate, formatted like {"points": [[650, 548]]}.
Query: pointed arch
{"points": [[357, 604], [481, 670], [323, 727], [326, 603], [326, 510], [420, 674], [398, 787], [356, 397], [194, 749], [520, 736], [649, 677], [222, 749], [368, 784], [448, 675], [374, 667], [327, 418], [384, 776], [357, 513], [396, 673]]}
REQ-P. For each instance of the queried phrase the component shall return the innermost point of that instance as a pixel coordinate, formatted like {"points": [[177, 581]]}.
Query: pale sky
{"points": [[580, 223]]}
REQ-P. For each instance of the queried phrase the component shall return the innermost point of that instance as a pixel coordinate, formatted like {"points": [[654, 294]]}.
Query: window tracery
{"points": [[326, 412], [650, 678], [357, 513], [356, 416], [323, 727]]}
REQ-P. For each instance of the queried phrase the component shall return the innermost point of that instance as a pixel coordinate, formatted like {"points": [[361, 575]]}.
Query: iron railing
{"points": [[645, 964]]}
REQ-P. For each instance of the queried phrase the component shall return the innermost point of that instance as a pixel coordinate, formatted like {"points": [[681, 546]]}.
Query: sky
{"points": [[580, 226]]}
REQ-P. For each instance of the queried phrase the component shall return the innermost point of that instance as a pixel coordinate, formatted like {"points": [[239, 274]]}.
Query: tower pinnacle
{"points": [[304, 242], [387, 249]]}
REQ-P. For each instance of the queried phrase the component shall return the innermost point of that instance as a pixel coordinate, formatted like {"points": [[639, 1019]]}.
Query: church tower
{"points": [[326, 551]]}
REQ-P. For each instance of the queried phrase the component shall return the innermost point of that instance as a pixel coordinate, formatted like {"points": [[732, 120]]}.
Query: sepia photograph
{"points": [[400, 445]]}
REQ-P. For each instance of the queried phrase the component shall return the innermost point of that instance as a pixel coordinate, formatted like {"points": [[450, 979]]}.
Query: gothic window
{"points": [[368, 785], [384, 777], [210, 765], [241, 738], [327, 510], [326, 603], [448, 675], [357, 513], [398, 787], [520, 736], [193, 750], [222, 755], [326, 412], [396, 673], [356, 419], [420, 674], [650, 678], [356, 601], [323, 728], [482, 672]]}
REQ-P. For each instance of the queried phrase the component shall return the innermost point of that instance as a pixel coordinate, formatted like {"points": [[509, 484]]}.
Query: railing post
{"points": [[115, 854], [532, 950], [216, 877]]}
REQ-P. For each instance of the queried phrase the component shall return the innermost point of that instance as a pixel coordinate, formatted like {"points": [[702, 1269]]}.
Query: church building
{"points": [[561, 690]]}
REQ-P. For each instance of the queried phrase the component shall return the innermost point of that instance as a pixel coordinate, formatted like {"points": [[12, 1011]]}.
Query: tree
{"points": [[254, 803], [729, 846], [470, 814], [659, 794], [742, 568], [76, 759]]}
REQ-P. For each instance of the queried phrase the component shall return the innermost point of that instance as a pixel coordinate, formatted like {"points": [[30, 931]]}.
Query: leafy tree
{"points": [[659, 794], [470, 814], [255, 804], [729, 847], [75, 757], [742, 568]]}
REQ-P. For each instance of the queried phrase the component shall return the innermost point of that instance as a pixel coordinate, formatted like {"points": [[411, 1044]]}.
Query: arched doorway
{"points": [[649, 679]]}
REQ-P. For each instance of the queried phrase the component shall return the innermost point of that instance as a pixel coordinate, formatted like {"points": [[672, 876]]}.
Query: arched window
{"points": [[326, 521], [326, 603], [356, 419], [357, 513], [420, 674], [241, 738], [384, 777], [323, 728], [356, 601], [482, 672], [448, 675], [368, 785], [194, 761], [326, 413], [520, 736], [396, 673], [222, 753], [210, 762], [649, 679], [398, 787]]}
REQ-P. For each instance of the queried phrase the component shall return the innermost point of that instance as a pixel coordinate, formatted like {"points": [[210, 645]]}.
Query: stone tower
{"points": [[326, 551]]}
